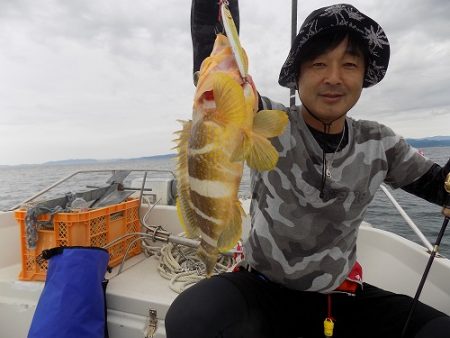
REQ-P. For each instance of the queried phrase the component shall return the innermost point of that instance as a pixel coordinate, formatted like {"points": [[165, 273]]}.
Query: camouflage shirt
{"points": [[308, 243]]}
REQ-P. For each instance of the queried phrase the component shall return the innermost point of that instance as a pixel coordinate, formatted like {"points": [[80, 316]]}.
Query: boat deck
{"points": [[389, 261]]}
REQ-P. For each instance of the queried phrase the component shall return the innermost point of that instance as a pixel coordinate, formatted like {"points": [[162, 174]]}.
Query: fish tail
{"points": [[208, 255]]}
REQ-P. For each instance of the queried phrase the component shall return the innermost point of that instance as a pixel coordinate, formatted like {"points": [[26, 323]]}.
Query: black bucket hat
{"points": [[337, 16]]}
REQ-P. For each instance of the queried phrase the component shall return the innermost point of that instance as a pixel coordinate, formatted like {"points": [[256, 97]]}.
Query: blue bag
{"points": [[72, 304]]}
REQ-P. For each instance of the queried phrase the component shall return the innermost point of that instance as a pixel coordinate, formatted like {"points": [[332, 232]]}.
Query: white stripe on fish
{"points": [[213, 189], [205, 216], [208, 240], [204, 150]]}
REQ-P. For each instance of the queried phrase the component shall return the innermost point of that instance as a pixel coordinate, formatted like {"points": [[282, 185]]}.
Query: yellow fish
{"points": [[225, 131]]}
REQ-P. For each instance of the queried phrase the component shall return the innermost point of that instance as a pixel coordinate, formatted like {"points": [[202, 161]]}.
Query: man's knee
{"points": [[205, 309], [436, 328], [181, 321]]}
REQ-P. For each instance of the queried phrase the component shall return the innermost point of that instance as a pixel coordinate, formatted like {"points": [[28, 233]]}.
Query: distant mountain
{"points": [[155, 157], [72, 161], [93, 161], [429, 142]]}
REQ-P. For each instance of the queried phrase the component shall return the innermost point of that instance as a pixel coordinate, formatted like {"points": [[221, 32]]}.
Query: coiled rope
{"points": [[177, 263], [180, 265]]}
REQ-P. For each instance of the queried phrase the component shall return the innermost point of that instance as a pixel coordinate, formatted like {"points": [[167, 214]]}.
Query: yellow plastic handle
{"points": [[328, 326]]}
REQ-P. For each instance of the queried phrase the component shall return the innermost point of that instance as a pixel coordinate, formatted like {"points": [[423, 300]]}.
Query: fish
{"points": [[226, 131]]}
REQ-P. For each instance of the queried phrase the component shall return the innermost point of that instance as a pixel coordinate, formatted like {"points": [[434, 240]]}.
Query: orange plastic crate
{"points": [[91, 228]]}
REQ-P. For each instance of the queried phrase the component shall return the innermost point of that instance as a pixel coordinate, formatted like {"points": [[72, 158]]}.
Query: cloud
{"points": [[116, 75]]}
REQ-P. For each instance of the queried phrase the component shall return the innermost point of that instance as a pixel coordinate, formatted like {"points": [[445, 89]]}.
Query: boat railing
{"points": [[66, 178], [408, 220], [391, 198]]}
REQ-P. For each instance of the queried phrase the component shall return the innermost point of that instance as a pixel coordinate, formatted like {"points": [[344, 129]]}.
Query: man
{"points": [[301, 269]]}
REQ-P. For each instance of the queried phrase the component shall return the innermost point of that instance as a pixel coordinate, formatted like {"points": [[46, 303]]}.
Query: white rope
{"points": [[178, 263], [181, 266]]}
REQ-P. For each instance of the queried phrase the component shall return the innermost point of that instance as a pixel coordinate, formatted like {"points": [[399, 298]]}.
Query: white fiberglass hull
{"points": [[389, 261]]}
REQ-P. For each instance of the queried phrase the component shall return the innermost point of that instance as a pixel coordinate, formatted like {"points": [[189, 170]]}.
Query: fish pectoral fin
{"points": [[270, 123], [233, 232], [229, 98], [266, 124], [263, 155]]}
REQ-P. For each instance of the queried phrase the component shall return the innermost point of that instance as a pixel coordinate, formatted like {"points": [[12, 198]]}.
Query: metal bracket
{"points": [[152, 324]]}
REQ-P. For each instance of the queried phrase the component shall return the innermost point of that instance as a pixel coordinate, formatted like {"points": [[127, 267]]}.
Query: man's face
{"points": [[330, 84]]}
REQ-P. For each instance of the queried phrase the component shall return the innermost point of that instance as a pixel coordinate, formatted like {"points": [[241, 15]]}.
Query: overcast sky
{"points": [[109, 78]]}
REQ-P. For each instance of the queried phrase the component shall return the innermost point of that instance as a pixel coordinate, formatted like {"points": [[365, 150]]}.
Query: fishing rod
{"points": [[293, 35], [446, 213]]}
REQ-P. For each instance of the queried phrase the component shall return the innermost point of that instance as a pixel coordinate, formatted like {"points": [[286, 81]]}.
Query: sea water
{"points": [[18, 183]]}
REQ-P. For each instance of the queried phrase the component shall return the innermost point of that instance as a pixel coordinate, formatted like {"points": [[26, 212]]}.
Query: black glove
{"points": [[205, 24]]}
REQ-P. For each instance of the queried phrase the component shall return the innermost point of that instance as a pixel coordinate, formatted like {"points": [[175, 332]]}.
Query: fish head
{"points": [[222, 60]]}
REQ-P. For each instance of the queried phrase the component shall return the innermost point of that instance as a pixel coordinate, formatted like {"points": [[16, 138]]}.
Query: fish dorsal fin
{"points": [[185, 213], [188, 229], [229, 98], [232, 233]]}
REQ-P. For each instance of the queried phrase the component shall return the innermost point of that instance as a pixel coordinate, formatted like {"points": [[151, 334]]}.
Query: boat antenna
{"points": [[293, 35], [446, 213]]}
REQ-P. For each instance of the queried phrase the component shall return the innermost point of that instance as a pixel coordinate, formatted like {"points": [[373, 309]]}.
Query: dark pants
{"points": [[242, 304]]}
